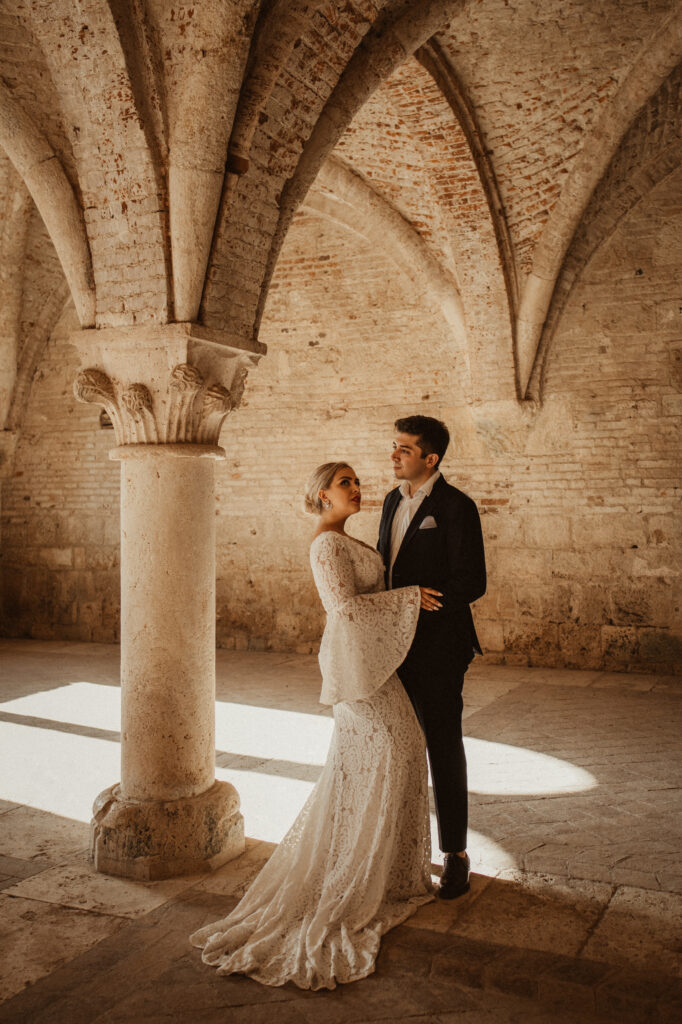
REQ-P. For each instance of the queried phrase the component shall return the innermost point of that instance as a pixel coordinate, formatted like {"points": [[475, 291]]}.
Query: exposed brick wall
{"points": [[60, 515], [580, 508], [346, 343], [651, 149], [580, 503], [617, 354]]}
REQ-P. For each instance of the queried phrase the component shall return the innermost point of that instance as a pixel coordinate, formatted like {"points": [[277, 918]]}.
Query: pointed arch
{"points": [[650, 151], [659, 56], [348, 199]]}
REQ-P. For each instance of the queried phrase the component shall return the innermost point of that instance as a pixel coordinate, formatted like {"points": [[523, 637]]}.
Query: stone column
{"points": [[168, 815]]}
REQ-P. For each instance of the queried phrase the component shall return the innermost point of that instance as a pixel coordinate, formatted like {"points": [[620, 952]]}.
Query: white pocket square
{"points": [[428, 523]]}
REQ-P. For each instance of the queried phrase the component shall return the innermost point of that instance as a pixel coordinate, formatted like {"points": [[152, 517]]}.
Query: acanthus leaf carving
{"points": [[140, 424], [238, 385], [95, 387], [189, 412], [185, 384], [216, 405]]}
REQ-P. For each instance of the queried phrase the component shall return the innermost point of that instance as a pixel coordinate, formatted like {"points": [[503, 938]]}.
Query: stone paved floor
{"points": [[574, 913]]}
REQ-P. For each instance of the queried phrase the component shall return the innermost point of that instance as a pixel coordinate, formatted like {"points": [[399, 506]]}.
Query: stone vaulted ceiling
{"points": [[157, 152]]}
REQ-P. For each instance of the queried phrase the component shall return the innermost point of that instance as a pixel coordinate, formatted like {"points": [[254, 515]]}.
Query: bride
{"points": [[356, 861]]}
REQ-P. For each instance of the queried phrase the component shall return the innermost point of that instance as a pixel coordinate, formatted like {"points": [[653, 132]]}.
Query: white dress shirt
{"points": [[404, 514]]}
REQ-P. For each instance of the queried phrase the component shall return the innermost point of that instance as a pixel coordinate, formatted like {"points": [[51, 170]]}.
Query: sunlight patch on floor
{"points": [[86, 704], [272, 733], [59, 772], [62, 772], [512, 771], [269, 803]]}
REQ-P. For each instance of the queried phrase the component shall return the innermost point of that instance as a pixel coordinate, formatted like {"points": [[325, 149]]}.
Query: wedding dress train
{"points": [[356, 861]]}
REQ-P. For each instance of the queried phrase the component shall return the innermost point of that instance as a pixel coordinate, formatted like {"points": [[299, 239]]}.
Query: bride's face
{"points": [[344, 492]]}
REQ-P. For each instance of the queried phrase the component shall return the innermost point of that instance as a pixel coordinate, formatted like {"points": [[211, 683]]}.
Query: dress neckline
{"points": [[348, 537]]}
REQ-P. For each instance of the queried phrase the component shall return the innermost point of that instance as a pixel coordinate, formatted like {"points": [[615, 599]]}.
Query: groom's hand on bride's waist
{"points": [[429, 599]]}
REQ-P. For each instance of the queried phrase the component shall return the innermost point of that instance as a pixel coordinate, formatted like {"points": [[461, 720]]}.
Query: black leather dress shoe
{"points": [[454, 881]]}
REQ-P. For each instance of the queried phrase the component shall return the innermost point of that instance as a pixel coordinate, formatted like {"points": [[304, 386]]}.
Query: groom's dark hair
{"points": [[432, 435]]}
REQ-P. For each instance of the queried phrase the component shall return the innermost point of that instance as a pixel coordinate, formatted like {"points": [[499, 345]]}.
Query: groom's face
{"points": [[408, 461]]}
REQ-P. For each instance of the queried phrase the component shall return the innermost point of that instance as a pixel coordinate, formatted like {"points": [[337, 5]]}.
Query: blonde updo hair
{"points": [[319, 480]]}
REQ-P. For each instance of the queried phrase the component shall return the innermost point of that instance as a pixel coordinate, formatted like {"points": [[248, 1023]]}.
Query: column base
{"points": [[153, 840]]}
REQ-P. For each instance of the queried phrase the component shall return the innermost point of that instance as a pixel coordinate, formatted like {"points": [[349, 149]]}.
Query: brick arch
{"points": [[658, 57], [430, 100], [435, 60], [43, 294], [344, 197], [650, 151], [341, 58], [33, 294]]}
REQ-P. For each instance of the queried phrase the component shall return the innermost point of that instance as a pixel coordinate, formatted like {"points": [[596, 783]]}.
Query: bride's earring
{"points": [[327, 504]]}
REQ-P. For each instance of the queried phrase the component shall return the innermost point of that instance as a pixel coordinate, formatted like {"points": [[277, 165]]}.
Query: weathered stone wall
{"points": [[579, 501]]}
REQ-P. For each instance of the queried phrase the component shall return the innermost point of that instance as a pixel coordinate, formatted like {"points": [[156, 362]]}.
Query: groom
{"points": [[430, 535]]}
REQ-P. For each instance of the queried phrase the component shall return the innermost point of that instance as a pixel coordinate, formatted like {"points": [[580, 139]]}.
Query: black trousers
{"points": [[437, 701]]}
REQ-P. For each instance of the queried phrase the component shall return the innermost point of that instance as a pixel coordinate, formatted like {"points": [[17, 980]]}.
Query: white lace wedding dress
{"points": [[356, 861]]}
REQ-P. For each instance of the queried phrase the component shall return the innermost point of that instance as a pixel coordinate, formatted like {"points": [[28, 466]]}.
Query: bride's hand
{"points": [[429, 599]]}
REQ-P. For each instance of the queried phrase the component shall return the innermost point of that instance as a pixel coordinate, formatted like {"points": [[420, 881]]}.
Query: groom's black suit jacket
{"points": [[448, 557]]}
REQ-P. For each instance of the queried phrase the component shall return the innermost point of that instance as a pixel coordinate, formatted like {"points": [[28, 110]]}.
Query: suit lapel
{"points": [[386, 525]]}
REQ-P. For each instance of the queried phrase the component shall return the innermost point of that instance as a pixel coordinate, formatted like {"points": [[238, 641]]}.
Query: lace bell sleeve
{"points": [[367, 635]]}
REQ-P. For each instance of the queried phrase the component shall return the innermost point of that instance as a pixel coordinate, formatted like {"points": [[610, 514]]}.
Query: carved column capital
{"points": [[172, 385]]}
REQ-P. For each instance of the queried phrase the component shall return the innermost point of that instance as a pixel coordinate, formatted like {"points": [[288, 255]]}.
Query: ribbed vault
{"points": [[167, 148], [650, 151]]}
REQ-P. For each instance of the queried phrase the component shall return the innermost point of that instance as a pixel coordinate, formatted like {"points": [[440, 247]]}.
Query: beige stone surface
{"points": [[155, 839], [77, 884], [25, 833], [639, 928], [516, 949], [169, 816], [535, 912], [168, 660], [443, 915], [235, 877], [38, 937]]}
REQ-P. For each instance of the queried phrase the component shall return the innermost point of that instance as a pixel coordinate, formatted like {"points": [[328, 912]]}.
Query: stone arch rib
{"points": [[124, 211], [44, 177], [32, 352], [651, 150], [383, 48], [18, 210], [277, 31], [351, 201], [275, 37], [432, 58], [656, 61]]}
